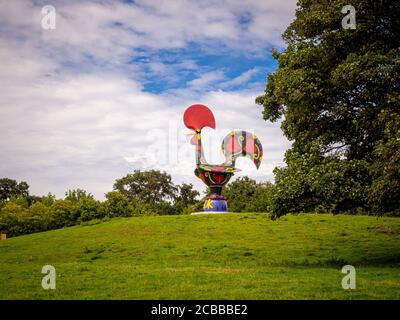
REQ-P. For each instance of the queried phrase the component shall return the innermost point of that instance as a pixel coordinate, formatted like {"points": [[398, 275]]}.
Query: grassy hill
{"points": [[231, 256]]}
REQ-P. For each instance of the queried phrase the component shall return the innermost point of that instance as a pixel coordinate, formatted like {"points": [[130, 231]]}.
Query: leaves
{"points": [[333, 88]]}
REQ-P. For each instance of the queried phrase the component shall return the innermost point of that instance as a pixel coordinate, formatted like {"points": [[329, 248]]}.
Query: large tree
{"points": [[151, 186], [337, 91], [10, 188], [156, 191]]}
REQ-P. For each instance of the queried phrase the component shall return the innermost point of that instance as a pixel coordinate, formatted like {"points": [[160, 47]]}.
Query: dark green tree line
{"points": [[141, 193], [337, 93]]}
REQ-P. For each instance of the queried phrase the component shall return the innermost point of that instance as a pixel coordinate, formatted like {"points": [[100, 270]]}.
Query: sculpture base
{"points": [[215, 204], [209, 212]]}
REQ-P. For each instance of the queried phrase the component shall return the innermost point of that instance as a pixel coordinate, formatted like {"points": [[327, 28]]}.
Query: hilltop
{"points": [[227, 256]]}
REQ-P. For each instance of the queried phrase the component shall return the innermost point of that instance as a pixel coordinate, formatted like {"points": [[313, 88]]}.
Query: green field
{"points": [[230, 256]]}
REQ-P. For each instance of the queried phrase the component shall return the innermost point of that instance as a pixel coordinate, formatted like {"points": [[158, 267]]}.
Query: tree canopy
{"points": [[11, 188], [337, 93], [149, 186]]}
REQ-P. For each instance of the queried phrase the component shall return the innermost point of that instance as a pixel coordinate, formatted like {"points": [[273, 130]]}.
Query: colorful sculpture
{"points": [[235, 144]]}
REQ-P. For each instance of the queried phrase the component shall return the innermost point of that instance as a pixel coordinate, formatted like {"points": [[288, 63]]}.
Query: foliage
{"points": [[89, 209], [65, 213], [10, 188], [261, 199], [77, 195], [246, 195], [47, 200], [149, 186], [11, 208], [118, 205], [310, 183], [154, 191], [9, 224], [185, 198], [16, 219], [23, 214], [239, 193], [20, 200], [337, 90], [384, 192]]}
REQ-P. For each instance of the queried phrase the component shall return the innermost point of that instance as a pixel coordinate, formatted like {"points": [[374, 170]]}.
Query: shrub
{"points": [[47, 200], [312, 183], [261, 199], [118, 205], [239, 192], [77, 195], [64, 213], [89, 209], [246, 195], [9, 224], [12, 208], [384, 192], [166, 208]]}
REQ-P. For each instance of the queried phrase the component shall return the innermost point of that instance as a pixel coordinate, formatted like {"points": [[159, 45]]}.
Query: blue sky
{"points": [[104, 92], [232, 65]]}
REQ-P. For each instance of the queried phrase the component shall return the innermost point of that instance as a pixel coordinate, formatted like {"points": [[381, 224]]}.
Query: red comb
{"points": [[198, 116]]}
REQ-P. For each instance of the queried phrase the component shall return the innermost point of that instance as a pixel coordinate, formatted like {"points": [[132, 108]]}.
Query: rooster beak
{"points": [[190, 133], [193, 139]]}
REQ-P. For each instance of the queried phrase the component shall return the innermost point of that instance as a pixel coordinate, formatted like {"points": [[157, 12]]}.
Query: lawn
{"points": [[226, 256]]}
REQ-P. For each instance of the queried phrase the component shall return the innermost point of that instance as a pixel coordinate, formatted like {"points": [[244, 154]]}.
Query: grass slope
{"points": [[230, 256]]}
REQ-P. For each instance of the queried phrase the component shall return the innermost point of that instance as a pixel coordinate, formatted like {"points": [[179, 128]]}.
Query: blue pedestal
{"points": [[215, 205]]}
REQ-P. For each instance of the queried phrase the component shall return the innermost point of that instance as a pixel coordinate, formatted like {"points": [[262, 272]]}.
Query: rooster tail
{"points": [[240, 143]]}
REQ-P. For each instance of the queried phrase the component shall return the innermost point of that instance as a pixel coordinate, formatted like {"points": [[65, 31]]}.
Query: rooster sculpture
{"points": [[236, 144]]}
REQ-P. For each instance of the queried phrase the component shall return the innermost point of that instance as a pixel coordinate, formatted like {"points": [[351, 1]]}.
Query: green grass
{"points": [[230, 256]]}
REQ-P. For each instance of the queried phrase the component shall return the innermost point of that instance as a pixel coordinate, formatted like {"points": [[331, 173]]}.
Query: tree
{"points": [[84, 205], [246, 195], [20, 200], [149, 186], [47, 200], [77, 195], [384, 192], [11, 188], [89, 209], [12, 208], [334, 86], [118, 205], [239, 193], [65, 213], [261, 200], [186, 196]]}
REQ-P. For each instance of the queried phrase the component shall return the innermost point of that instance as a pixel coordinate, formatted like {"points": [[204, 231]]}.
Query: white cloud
{"points": [[243, 78], [76, 137], [115, 29], [74, 112], [206, 79]]}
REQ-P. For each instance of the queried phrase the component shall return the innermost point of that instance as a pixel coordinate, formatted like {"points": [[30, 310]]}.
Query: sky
{"points": [[103, 93]]}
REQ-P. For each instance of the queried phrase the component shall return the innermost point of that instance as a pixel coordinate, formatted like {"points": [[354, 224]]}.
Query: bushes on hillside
{"points": [[139, 194], [154, 191], [311, 183], [16, 219], [119, 205], [246, 195]]}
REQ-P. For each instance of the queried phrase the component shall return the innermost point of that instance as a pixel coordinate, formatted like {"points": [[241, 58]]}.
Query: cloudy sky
{"points": [[104, 92]]}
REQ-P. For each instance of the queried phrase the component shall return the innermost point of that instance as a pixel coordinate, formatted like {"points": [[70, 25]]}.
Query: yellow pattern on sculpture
{"points": [[208, 204]]}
